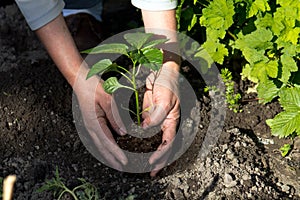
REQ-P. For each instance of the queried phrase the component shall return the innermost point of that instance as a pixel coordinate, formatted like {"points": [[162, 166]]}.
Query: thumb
{"points": [[155, 116]]}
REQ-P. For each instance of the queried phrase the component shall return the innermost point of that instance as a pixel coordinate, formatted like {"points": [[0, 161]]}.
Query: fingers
{"points": [[107, 140], [114, 119], [107, 155], [155, 117], [160, 158]]}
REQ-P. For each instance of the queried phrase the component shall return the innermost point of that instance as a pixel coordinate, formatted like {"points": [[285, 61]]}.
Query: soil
{"points": [[37, 133]]}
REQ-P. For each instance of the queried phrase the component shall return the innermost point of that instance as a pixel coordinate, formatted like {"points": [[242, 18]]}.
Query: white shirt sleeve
{"points": [[155, 5], [40, 12]]}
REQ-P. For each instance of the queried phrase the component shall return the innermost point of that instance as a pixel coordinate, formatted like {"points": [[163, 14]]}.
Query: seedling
{"points": [[232, 98], [141, 50], [82, 192]]}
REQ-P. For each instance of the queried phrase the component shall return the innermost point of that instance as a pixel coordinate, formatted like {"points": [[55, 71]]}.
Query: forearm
{"points": [[164, 23], [61, 47]]}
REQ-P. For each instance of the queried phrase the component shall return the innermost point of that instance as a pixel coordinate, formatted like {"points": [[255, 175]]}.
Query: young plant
{"points": [[81, 192], [232, 98], [141, 51]]}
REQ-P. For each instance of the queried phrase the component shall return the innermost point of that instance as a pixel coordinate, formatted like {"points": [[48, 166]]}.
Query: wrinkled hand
{"points": [[162, 105], [98, 109]]}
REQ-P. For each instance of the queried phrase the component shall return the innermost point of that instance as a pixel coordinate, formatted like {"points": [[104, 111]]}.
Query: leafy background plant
{"points": [[263, 37]]}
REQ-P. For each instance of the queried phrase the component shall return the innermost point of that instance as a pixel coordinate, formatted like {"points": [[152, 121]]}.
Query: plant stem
{"points": [[66, 190], [136, 92]]}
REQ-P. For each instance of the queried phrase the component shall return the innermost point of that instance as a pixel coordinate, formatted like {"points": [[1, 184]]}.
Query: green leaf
{"points": [[151, 58], [258, 5], [285, 149], [218, 14], [284, 124], [193, 22], [288, 65], [99, 67], [108, 48], [216, 50], [267, 91], [247, 73], [259, 39], [154, 43], [290, 99], [111, 85], [287, 122], [137, 40], [205, 60]]}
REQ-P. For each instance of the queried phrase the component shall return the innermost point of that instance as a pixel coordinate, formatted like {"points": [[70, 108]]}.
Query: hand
{"points": [[98, 108], [161, 100]]}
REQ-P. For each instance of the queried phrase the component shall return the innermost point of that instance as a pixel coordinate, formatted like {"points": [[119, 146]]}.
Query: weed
{"points": [[81, 192], [232, 98]]}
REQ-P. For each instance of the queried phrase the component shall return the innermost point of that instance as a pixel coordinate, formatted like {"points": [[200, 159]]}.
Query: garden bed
{"points": [[38, 133]]}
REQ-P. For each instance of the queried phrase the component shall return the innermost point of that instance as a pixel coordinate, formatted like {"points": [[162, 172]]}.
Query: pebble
{"points": [[178, 194], [285, 188], [246, 177], [229, 181]]}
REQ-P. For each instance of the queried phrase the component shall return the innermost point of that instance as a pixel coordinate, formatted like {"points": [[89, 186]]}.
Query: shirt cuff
{"points": [[155, 5], [39, 13]]}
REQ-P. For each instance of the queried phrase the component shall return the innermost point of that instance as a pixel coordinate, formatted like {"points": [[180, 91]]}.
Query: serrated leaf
{"points": [[151, 58], [111, 85], [258, 5], [291, 35], [290, 99], [154, 43], [247, 73], [216, 50], [218, 14], [285, 123], [288, 121], [99, 67], [272, 68], [259, 39], [118, 48], [137, 40], [267, 91], [288, 65], [252, 55]]}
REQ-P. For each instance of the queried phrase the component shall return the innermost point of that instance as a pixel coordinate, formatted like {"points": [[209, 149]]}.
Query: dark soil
{"points": [[37, 133]]}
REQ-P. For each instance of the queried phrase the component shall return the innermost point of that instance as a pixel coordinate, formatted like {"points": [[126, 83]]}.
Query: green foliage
{"points": [[85, 191], [285, 149], [232, 98], [264, 36], [140, 49], [288, 121]]}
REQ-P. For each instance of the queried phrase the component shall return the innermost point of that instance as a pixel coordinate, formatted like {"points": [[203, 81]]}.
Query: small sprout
{"points": [[232, 98], [285, 149], [84, 191]]}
